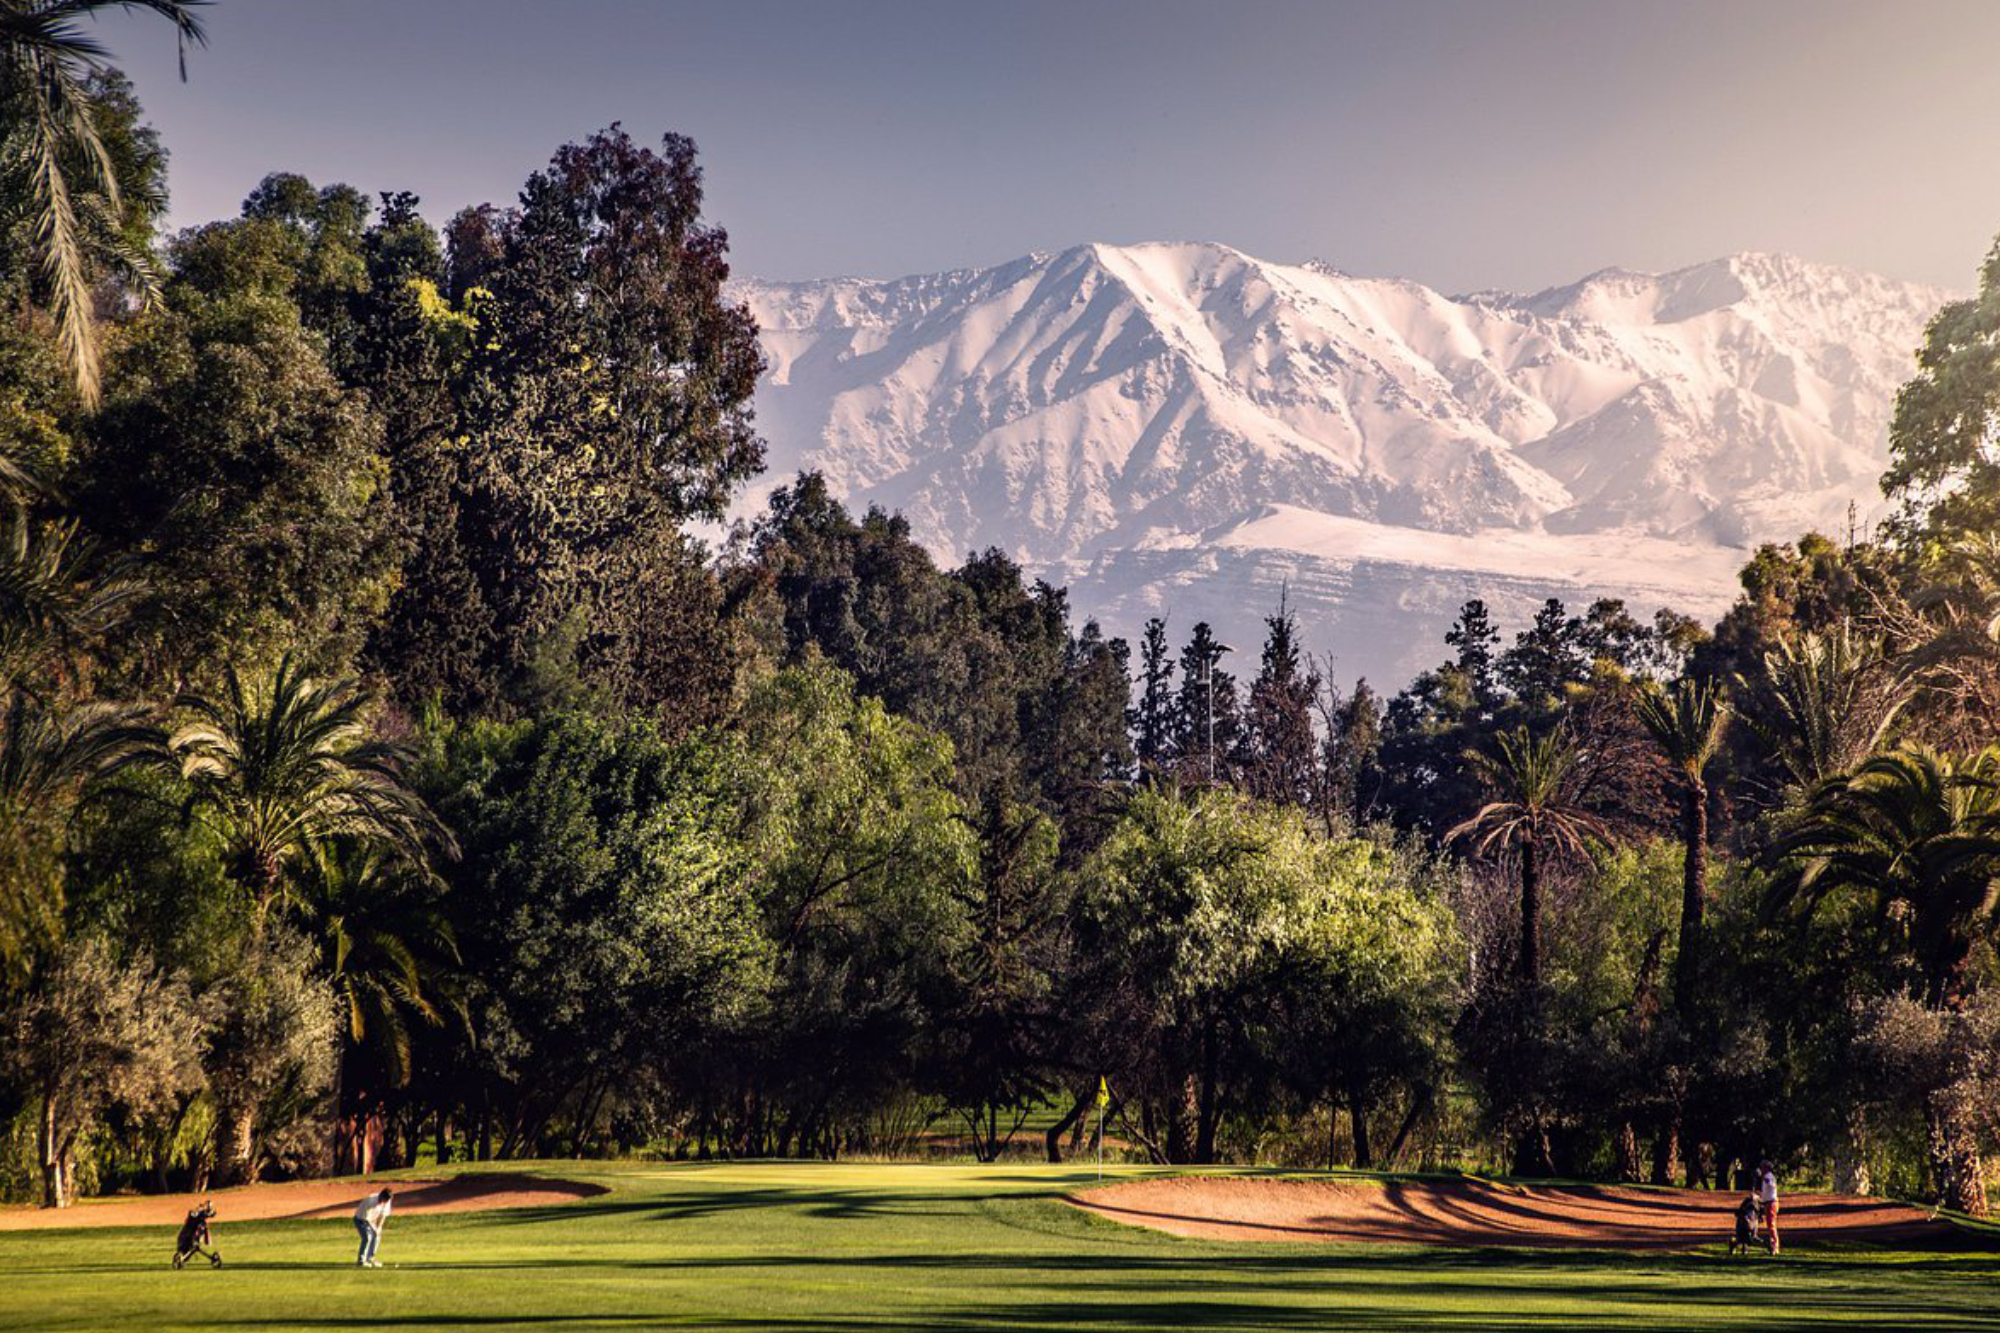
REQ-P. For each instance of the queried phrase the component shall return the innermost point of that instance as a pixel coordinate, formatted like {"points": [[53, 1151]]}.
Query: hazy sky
{"points": [[1482, 143]]}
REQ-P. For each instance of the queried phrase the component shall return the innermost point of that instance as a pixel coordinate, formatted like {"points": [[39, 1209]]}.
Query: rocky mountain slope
{"points": [[1183, 429]]}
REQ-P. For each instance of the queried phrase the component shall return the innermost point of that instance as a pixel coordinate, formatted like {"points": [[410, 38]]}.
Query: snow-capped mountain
{"points": [[1183, 429]]}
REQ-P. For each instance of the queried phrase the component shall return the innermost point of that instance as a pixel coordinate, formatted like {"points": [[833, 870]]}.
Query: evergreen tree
{"points": [[1611, 634], [1547, 658], [1278, 743], [1206, 723], [1035, 713], [1155, 719], [1473, 635], [1353, 750]]}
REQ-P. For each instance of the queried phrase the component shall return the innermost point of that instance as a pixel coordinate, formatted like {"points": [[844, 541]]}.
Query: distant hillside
{"points": [[1184, 429]]}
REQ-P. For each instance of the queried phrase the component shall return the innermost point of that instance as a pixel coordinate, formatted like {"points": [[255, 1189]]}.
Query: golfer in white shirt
{"points": [[370, 1216]]}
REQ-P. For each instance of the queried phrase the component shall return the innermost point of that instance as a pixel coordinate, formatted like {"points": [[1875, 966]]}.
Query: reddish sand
{"points": [[1478, 1212], [305, 1199]]}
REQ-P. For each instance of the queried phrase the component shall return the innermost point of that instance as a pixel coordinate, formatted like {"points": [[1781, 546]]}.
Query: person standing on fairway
{"points": [[370, 1216], [1767, 1202]]}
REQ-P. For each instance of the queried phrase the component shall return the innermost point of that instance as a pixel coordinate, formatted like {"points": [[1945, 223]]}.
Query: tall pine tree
{"points": [[1206, 717], [1155, 719], [1279, 745]]}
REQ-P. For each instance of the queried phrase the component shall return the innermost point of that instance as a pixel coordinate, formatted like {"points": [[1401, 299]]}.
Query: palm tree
{"points": [[1952, 624], [49, 756], [288, 765], [1537, 813], [1825, 702], [1918, 836], [48, 131], [1915, 836], [54, 604], [1687, 725], [391, 955], [56, 599]]}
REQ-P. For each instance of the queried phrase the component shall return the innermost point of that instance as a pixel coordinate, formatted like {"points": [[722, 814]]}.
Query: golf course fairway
{"points": [[821, 1247]]}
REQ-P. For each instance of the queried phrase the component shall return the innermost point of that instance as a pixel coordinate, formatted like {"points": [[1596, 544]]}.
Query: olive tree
{"points": [[96, 1034]]}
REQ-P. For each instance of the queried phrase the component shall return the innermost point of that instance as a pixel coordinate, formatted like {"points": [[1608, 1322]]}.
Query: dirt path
{"points": [[1476, 1212], [306, 1199]]}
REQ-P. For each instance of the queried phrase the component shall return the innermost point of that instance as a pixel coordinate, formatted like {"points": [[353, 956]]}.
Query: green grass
{"points": [[817, 1248]]}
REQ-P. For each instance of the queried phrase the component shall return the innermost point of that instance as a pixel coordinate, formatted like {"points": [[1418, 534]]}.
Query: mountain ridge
{"points": [[1124, 417]]}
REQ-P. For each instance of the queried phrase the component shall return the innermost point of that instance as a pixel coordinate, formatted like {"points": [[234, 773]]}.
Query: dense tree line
{"points": [[386, 767]]}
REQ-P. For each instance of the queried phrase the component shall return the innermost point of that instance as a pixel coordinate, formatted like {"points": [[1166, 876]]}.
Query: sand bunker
{"points": [[306, 1199], [1477, 1212]]}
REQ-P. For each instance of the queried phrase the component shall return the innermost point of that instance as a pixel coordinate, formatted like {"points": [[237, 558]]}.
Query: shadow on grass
{"points": [[1229, 1317]]}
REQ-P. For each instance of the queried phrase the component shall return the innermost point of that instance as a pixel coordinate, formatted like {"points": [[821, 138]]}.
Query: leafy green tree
{"points": [[281, 766], [389, 950], [1613, 636], [1426, 728], [1365, 988], [268, 1051], [861, 863], [1915, 836], [1001, 1031], [604, 910], [56, 165], [1942, 468], [603, 401], [96, 1035], [1225, 944], [1034, 711], [1176, 923], [1537, 815], [50, 756], [1687, 725], [56, 744], [1353, 751], [248, 484]]}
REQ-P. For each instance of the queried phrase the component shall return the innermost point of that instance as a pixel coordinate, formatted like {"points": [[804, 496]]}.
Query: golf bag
{"points": [[194, 1238]]}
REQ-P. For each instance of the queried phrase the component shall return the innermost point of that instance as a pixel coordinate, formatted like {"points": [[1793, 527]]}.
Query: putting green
{"points": [[809, 1248]]}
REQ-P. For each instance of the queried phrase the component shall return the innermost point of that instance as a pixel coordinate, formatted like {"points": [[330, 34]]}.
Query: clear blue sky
{"points": [[1465, 144]]}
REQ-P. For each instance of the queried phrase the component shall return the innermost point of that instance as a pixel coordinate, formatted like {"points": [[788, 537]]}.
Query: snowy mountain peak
{"points": [[1142, 419]]}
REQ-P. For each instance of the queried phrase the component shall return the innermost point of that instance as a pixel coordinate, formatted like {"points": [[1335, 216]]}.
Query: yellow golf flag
{"points": [[1103, 1093]]}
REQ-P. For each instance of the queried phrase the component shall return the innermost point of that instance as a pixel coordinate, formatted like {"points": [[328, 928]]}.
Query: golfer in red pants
{"points": [[1767, 1203]]}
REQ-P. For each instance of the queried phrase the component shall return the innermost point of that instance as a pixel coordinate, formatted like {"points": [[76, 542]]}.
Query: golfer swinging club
{"points": [[370, 1216]]}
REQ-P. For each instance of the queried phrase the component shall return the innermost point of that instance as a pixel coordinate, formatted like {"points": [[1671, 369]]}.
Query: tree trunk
{"points": [[235, 1144], [1420, 1103], [1208, 1108], [1694, 900], [343, 1121], [1357, 1115], [1850, 1158], [1052, 1140], [1183, 1110], [1700, 1164], [55, 1171], [1667, 1151], [1534, 1155], [1628, 1153], [1531, 919], [1955, 1161]]}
